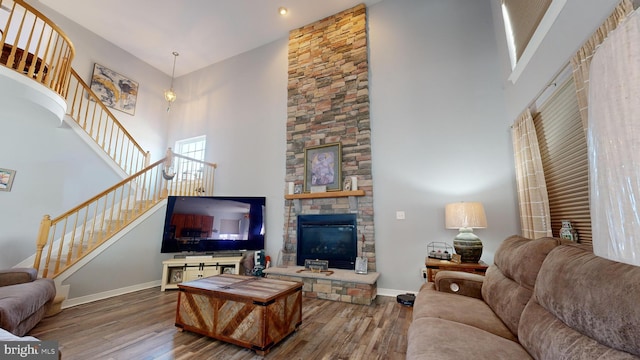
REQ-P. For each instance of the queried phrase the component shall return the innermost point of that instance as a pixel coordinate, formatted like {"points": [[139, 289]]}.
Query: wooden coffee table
{"points": [[249, 311]]}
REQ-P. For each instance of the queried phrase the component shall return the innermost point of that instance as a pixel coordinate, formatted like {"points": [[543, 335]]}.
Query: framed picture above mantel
{"points": [[323, 167]]}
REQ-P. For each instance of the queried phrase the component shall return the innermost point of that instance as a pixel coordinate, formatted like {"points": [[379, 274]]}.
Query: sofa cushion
{"points": [[434, 339], [509, 283], [17, 276], [584, 307], [431, 303], [18, 303]]}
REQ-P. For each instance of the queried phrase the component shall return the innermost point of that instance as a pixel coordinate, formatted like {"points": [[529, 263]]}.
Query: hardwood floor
{"points": [[140, 325]]}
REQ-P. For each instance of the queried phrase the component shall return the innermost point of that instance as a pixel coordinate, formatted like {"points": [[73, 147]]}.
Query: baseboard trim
{"points": [[393, 293], [108, 294], [125, 290]]}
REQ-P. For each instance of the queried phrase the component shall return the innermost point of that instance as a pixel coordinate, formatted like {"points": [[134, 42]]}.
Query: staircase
{"points": [[36, 48]]}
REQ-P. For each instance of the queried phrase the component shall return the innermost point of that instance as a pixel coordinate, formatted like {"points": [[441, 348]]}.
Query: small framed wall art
{"points": [[114, 90], [6, 179], [323, 167]]}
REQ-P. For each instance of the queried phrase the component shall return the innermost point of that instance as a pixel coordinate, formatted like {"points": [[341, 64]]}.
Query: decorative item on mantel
{"points": [[347, 184], [568, 232], [439, 250], [466, 216]]}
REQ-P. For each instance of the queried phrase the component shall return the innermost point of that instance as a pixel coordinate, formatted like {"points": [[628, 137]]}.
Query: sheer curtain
{"points": [[613, 136], [582, 60], [532, 189]]}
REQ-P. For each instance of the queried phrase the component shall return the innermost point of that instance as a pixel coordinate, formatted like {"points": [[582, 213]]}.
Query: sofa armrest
{"points": [[17, 276], [457, 282]]}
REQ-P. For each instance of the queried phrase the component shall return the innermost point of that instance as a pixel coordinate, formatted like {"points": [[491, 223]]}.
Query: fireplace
{"points": [[328, 237]]}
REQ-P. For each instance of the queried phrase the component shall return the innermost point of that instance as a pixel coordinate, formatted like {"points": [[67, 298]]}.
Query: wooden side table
{"points": [[435, 265]]}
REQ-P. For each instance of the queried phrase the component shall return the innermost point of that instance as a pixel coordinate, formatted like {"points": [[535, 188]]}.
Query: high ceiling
{"points": [[202, 31]]}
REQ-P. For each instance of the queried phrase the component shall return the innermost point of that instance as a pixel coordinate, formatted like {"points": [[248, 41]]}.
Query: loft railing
{"points": [[86, 109], [65, 240], [34, 46]]}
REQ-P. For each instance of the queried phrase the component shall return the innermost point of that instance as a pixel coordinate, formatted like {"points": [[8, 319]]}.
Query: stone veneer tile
{"points": [[328, 101]]}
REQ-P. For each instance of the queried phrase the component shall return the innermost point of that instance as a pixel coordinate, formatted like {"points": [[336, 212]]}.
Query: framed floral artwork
{"points": [[323, 167]]}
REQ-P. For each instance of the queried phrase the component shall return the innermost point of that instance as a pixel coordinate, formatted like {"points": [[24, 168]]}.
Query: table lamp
{"points": [[466, 216]]}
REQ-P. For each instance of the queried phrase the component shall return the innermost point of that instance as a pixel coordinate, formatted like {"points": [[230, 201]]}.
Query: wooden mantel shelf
{"points": [[328, 194]]}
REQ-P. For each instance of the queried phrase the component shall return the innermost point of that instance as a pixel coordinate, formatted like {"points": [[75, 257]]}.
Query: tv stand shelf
{"points": [[176, 271]]}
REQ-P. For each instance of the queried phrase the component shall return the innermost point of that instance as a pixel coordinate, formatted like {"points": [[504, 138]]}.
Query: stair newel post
{"points": [[43, 236]]}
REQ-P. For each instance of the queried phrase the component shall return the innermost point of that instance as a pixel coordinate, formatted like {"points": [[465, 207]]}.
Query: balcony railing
{"points": [[66, 239], [34, 46]]}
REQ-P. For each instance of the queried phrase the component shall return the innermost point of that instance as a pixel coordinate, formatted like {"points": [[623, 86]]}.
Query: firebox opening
{"points": [[331, 237]]}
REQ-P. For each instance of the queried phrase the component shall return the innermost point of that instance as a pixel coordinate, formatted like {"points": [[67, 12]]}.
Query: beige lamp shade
{"points": [[465, 215]]}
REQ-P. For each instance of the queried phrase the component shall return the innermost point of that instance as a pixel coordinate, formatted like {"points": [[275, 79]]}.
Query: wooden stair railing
{"points": [[34, 46], [86, 109], [65, 240]]}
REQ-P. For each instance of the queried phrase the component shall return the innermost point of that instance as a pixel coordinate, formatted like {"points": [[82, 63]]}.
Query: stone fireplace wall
{"points": [[328, 102]]}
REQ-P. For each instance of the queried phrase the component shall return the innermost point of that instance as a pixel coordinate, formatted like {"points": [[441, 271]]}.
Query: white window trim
{"points": [[541, 32]]}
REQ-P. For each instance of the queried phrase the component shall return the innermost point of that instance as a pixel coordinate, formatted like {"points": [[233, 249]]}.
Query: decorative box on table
{"points": [[439, 250]]}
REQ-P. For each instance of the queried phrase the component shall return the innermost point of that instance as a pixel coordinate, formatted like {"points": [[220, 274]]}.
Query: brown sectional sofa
{"points": [[542, 299], [24, 299]]}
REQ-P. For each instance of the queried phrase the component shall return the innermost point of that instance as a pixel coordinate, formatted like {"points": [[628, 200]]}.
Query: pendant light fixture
{"points": [[170, 95]]}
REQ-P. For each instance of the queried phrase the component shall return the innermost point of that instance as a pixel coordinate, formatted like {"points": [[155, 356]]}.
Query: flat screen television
{"points": [[210, 224]]}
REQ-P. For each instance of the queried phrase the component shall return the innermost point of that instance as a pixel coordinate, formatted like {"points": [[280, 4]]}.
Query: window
{"points": [[527, 22], [521, 20], [192, 148], [563, 149]]}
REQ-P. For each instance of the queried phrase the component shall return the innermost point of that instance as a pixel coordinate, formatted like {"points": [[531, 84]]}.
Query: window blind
{"points": [[524, 16], [563, 149]]}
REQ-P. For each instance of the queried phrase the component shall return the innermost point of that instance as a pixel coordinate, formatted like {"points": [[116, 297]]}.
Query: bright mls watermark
{"points": [[30, 350]]}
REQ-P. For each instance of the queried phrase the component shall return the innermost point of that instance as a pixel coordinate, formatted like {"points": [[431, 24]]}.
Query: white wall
{"points": [[440, 112], [433, 112], [438, 130], [55, 170], [241, 106]]}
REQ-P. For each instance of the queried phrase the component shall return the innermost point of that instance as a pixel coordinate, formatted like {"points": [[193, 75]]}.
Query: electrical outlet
{"points": [[400, 215], [423, 271]]}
